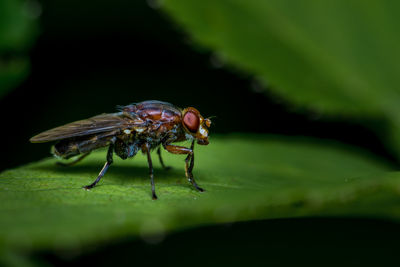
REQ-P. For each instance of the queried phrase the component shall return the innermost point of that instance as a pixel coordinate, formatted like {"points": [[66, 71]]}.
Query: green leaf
{"points": [[337, 57], [247, 177], [18, 30]]}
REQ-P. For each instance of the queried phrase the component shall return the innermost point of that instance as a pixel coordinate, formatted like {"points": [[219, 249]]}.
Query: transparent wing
{"points": [[97, 124]]}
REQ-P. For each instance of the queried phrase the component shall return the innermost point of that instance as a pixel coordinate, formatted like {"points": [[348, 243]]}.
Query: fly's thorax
{"points": [[156, 111]]}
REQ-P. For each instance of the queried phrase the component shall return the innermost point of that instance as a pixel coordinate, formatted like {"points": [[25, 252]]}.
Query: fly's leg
{"points": [[151, 172], [72, 162], [161, 160], [105, 168], [189, 168], [189, 161]]}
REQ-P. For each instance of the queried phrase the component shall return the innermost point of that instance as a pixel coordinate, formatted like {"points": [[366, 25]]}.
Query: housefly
{"points": [[142, 126]]}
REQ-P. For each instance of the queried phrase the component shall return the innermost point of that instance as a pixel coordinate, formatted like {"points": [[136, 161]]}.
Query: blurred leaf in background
{"points": [[18, 29], [338, 58]]}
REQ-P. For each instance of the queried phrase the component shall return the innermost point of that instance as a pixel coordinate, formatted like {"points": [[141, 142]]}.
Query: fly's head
{"points": [[195, 125]]}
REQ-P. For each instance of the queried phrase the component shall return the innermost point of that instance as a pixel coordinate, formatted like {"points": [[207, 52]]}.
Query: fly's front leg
{"points": [[146, 148], [105, 168], [189, 161], [161, 160], [189, 168]]}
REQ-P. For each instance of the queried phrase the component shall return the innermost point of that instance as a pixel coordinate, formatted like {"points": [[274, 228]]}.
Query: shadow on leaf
{"points": [[123, 173]]}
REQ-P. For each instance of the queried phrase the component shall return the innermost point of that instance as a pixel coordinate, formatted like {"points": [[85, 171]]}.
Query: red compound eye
{"points": [[191, 121]]}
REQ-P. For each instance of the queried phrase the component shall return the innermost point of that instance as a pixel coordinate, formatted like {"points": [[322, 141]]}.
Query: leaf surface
{"points": [[247, 177]]}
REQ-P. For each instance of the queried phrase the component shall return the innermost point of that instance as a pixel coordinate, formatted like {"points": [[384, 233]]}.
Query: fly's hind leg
{"points": [[72, 162], [146, 148], [189, 161], [105, 168], [161, 160]]}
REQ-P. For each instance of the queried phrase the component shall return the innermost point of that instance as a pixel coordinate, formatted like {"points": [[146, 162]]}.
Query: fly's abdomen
{"points": [[68, 148]]}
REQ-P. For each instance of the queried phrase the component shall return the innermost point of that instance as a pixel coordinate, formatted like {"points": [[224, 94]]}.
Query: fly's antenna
{"points": [[209, 121]]}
